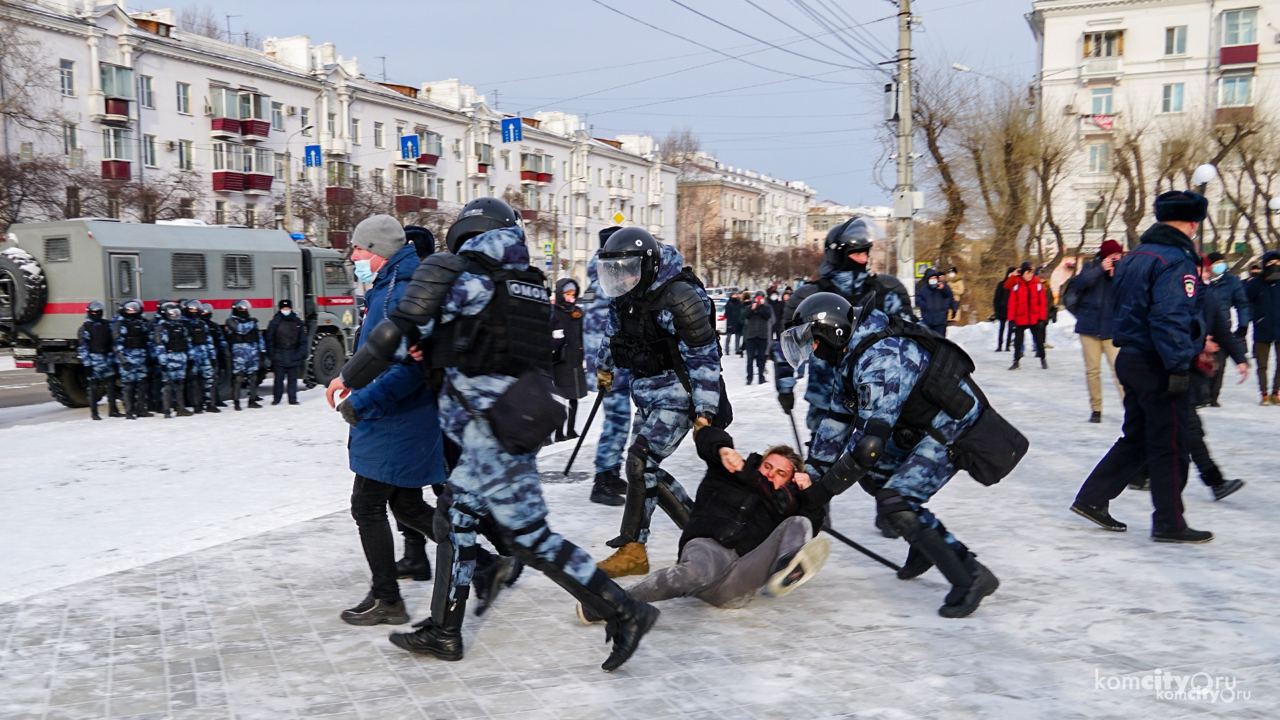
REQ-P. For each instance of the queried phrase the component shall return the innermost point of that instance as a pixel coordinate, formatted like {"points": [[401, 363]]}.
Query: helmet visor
{"points": [[797, 344], [619, 275]]}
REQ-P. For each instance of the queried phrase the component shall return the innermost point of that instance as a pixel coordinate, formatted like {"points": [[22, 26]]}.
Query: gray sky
{"points": [[578, 56]]}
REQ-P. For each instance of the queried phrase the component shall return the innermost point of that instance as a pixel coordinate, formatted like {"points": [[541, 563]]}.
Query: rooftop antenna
{"points": [[495, 99], [383, 58], [229, 35]]}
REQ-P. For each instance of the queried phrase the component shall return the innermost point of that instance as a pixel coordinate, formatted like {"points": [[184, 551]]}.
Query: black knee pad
{"points": [[899, 513], [637, 459]]}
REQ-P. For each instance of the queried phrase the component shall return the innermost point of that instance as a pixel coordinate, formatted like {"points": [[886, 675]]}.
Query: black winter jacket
{"points": [[566, 344], [740, 510], [286, 339]]}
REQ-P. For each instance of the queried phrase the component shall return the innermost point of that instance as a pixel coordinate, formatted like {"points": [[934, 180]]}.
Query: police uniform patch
{"points": [[864, 396], [1189, 285]]}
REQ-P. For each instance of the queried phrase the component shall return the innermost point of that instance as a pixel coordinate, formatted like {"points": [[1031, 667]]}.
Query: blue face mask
{"points": [[364, 273], [1219, 268]]}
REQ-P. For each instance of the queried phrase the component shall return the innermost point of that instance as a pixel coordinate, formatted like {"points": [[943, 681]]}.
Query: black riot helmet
{"points": [[823, 319], [853, 235], [131, 309], [206, 311], [607, 233], [628, 260], [94, 310], [171, 310], [241, 308], [480, 216], [191, 308], [424, 242]]}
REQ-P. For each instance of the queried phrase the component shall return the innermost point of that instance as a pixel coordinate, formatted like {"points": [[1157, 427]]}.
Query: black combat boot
{"points": [[93, 401], [491, 578], [414, 564], [916, 565], [195, 392], [627, 620], [141, 402], [113, 410], [235, 391], [440, 637], [964, 599], [179, 407], [605, 489], [128, 401], [166, 400], [372, 611]]}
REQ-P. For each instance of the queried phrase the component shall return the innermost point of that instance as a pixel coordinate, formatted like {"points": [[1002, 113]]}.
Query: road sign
{"points": [[618, 218], [409, 147], [512, 130], [546, 248], [921, 267], [311, 156]]}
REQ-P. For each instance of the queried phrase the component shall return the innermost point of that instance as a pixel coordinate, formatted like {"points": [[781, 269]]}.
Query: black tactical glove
{"points": [[1242, 331], [788, 401], [1178, 383], [348, 410]]}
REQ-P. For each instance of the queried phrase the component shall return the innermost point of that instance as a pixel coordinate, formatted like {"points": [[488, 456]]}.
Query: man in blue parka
{"points": [[935, 301], [1095, 323]]}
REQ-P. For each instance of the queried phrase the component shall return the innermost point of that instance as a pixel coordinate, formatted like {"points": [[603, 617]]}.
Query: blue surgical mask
{"points": [[1219, 268], [364, 273], [286, 312]]}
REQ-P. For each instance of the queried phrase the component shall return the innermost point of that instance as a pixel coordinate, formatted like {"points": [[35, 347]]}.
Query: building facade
{"points": [[1162, 77], [140, 102]]}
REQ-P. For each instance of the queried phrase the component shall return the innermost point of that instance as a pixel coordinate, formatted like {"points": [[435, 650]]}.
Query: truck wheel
{"points": [[327, 358], [23, 287], [67, 387]]}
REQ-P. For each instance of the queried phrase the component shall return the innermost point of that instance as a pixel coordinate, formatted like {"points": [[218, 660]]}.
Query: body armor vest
{"points": [[641, 345], [509, 337], [134, 333], [199, 333], [99, 336], [242, 331], [176, 337]]}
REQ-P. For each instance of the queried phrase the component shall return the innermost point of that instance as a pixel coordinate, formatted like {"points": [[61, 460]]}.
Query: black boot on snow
{"points": [[1185, 535], [372, 611], [604, 491], [1044, 363], [915, 565], [1226, 488], [963, 600], [211, 408], [414, 565], [490, 581], [1098, 516], [625, 629], [441, 638], [1014, 366], [559, 436]]}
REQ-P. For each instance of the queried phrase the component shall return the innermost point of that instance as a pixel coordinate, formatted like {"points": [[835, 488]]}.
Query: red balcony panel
{"points": [[482, 169], [116, 170], [528, 176], [227, 126], [407, 203], [339, 196], [429, 204], [1238, 55], [1233, 116], [544, 178], [338, 239], [255, 129], [529, 215], [429, 160], [258, 181], [227, 181], [118, 107]]}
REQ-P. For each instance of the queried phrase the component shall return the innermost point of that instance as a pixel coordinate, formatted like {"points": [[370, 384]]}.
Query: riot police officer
{"points": [[200, 357], [489, 318], [132, 332], [220, 350], [660, 329], [247, 350], [904, 417], [170, 344], [95, 353], [609, 488]]}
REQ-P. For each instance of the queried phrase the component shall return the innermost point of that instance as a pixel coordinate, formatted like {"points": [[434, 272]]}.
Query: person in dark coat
{"points": [[568, 355], [395, 447], [1264, 302], [757, 331], [1000, 307], [734, 311], [1094, 322], [1221, 343], [935, 302], [286, 340], [1160, 329], [1228, 292]]}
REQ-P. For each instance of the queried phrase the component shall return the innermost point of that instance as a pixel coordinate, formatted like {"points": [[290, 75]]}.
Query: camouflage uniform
{"points": [[132, 360], [203, 371], [617, 401], [97, 355], [220, 361], [665, 410], [172, 363], [247, 349]]}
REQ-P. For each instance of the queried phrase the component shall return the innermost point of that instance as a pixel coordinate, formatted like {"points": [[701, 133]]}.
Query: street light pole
{"points": [[555, 234], [1201, 177], [904, 192], [288, 179]]}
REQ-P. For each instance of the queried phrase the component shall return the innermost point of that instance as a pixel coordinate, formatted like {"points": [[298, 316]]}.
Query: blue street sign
{"points": [[409, 147], [512, 130], [312, 156]]}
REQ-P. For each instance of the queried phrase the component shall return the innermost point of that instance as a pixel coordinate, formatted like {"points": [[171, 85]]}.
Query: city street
{"points": [[20, 387], [195, 568]]}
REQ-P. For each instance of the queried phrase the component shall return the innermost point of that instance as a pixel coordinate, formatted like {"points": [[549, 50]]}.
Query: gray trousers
{"points": [[715, 574]]}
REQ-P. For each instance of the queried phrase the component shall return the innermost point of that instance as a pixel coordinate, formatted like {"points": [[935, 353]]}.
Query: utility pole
{"points": [[904, 190], [383, 58]]}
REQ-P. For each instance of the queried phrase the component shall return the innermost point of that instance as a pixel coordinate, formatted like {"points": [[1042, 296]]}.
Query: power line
{"points": [[842, 14], [822, 22], [710, 94], [837, 51]]}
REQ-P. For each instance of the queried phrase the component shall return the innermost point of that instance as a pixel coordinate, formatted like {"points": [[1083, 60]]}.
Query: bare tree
{"points": [[679, 147], [26, 73], [937, 112], [160, 197], [31, 190], [1001, 141], [205, 20]]}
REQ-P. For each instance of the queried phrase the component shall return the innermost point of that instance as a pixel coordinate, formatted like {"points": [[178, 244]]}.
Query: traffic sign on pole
{"points": [[409, 147], [512, 130], [311, 157]]}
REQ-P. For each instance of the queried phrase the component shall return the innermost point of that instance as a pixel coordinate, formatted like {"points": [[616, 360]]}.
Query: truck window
{"points": [[336, 277], [237, 272], [57, 249], [189, 272]]}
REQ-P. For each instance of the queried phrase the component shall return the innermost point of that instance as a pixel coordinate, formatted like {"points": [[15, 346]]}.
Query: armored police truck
{"points": [[50, 271]]}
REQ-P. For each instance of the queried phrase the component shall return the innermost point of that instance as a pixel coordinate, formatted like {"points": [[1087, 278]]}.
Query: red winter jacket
{"points": [[1027, 304]]}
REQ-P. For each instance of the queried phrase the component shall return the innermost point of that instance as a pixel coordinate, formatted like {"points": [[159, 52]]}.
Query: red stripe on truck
{"points": [[336, 300], [77, 308]]}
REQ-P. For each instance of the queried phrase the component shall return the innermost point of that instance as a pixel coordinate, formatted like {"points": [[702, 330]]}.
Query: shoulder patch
{"points": [[1189, 285], [528, 291], [864, 396]]}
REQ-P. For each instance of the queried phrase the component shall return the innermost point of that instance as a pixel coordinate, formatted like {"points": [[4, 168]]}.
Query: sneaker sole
{"points": [[1229, 493], [1086, 516], [361, 621], [395, 640], [810, 558], [1177, 541]]}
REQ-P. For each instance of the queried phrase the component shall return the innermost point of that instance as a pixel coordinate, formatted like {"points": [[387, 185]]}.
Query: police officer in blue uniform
{"points": [[1160, 329], [170, 344], [609, 488], [98, 358], [131, 340], [488, 316]]}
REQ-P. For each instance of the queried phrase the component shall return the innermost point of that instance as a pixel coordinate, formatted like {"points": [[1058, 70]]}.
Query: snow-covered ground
{"points": [[6, 361], [1079, 611]]}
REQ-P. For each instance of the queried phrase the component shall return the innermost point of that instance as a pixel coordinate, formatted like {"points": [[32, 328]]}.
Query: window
{"points": [[183, 91], [57, 249], [432, 144], [69, 142], [1175, 40], [186, 153], [259, 160], [186, 208], [355, 131], [113, 206], [339, 173], [336, 277], [457, 186], [1104, 44], [304, 117], [149, 150], [1171, 100], [237, 272], [484, 153], [379, 135], [67, 77], [219, 212], [331, 124], [1236, 91], [1240, 27], [117, 82], [250, 216], [506, 160], [409, 182], [188, 271], [253, 106], [280, 167], [115, 144], [146, 92], [355, 176], [228, 156], [1099, 158], [224, 102], [277, 116], [1228, 216], [1100, 99], [378, 177]]}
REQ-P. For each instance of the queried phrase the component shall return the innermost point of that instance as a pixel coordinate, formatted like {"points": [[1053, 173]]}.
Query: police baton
{"points": [[583, 436], [839, 536], [795, 430]]}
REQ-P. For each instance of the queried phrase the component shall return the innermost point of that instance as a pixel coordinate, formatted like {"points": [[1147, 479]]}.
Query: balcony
{"points": [[228, 128], [1233, 115], [227, 181], [580, 187], [334, 195], [1097, 124], [529, 215], [1101, 68], [528, 177], [255, 130], [115, 111], [335, 146], [116, 170], [257, 184], [482, 170], [407, 203], [338, 239], [655, 198], [1238, 55], [544, 178], [618, 192], [429, 204], [580, 222], [428, 160]]}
